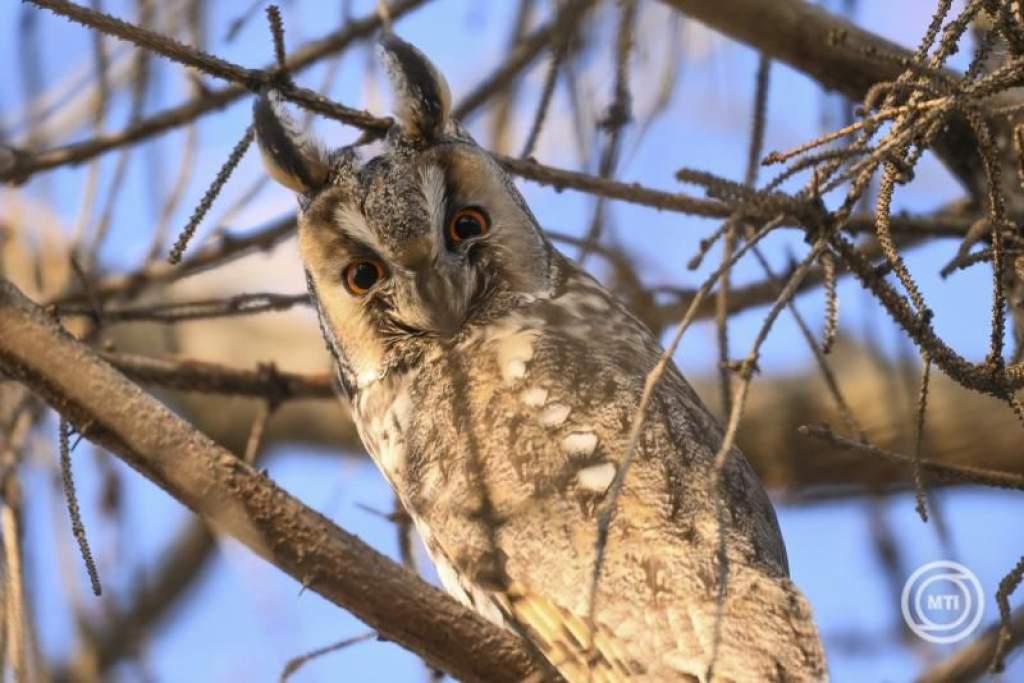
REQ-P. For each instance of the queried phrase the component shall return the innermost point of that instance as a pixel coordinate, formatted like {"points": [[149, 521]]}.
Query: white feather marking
{"points": [[686, 664], [514, 351], [391, 454], [513, 370], [367, 377], [580, 443], [596, 478], [353, 224], [555, 414], [535, 397], [450, 579], [432, 186]]}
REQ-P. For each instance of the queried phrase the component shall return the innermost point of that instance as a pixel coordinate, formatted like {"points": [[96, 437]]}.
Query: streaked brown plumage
{"points": [[494, 383]]}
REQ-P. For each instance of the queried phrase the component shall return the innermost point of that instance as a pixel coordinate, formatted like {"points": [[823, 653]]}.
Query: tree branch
{"points": [[237, 500], [20, 164], [972, 662], [522, 56], [243, 78], [217, 253], [834, 52], [211, 378]]}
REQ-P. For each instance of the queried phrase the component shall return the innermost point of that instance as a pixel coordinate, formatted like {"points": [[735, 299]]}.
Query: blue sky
{"points": [[245, 619]]}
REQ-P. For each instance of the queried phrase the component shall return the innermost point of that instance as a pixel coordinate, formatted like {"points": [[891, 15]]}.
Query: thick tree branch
{"points": [[237, 500]]}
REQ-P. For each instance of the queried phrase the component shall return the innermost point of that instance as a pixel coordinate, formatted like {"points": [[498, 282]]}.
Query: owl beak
{"points": [[441, 296]]}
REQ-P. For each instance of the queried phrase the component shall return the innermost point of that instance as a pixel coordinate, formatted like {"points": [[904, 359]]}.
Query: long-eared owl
{"points": [[495, 383]]}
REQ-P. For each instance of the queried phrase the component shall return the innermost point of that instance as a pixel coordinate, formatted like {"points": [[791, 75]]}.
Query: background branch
{"points": [[836, 53]]}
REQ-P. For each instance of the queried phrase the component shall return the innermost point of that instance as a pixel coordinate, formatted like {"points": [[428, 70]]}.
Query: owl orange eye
{"points": [[466, 224], [360, 276]]}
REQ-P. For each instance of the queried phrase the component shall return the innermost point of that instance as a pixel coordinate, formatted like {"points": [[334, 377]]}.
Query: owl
{"points": [[494, 383]]}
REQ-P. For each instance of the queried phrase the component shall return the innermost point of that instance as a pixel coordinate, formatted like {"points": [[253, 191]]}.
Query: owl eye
{"points": [[360, 276], [466, 224]]}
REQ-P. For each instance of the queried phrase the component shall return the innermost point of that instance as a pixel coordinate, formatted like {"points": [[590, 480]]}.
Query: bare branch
{"points": [[960, 473], [832, 51], [242, 304], [971, 662], [226, 249], [211, 378], [522, 56], [23, 164], [297, 663]]}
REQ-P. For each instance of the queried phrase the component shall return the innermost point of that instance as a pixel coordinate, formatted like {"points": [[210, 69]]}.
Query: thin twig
{"points": [[961, 474], [297, 663], [558, 55], [607, 513], [241, 147], [972, 661], [259, 426], [828, 270], [920, 493], [149, 602], [227, 248], [616, 118], [16, 617], [241, 304], [747, 369], [26, 164], [277, 33], [1007, 586], [528, 50], [77, 527]]}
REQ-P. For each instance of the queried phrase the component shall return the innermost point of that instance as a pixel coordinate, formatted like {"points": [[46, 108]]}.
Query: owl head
{"points": [[415, 245]]}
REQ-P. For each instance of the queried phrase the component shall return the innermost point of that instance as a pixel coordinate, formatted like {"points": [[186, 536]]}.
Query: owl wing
{"points": [[774, 640], [660, 614], [540, 427], [565, 640]]}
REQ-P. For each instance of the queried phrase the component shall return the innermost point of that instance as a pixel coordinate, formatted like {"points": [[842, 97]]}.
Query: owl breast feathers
{"points": [[495, 384]]}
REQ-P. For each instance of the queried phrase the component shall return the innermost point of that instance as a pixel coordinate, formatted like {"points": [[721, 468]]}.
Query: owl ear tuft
{"points": [[423, 100], [291, 156]]}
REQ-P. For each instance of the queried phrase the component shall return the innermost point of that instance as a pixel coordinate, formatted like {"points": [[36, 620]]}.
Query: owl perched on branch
{"points": [[495, 383]]}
